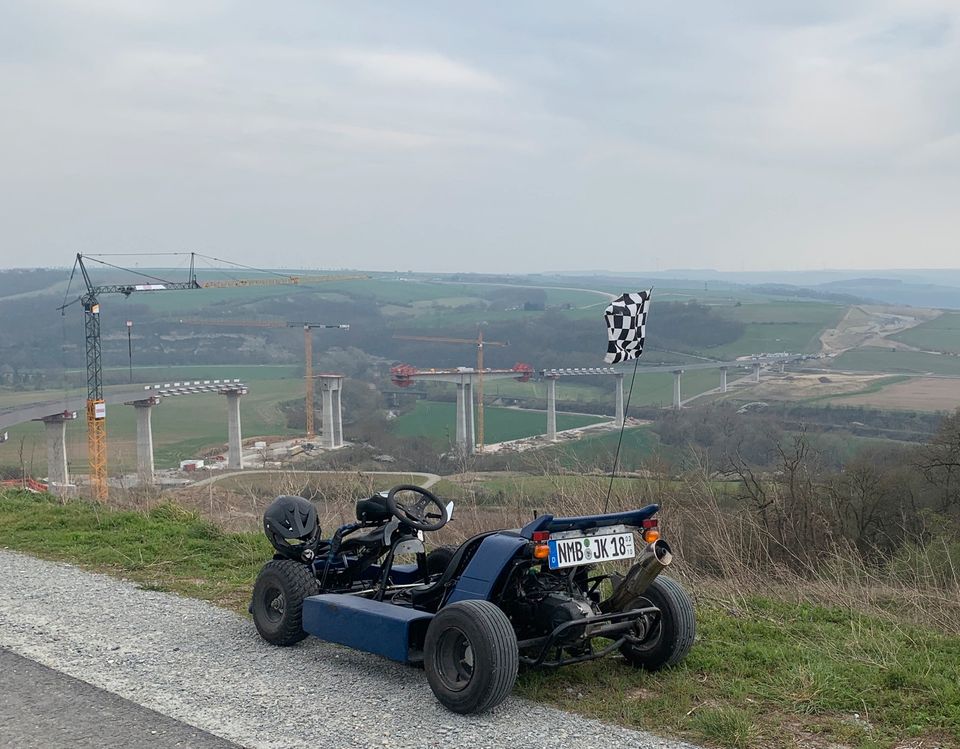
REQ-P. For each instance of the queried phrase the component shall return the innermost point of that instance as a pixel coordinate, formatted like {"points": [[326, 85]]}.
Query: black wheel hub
{"points": [[454, 660], [275, 604]]}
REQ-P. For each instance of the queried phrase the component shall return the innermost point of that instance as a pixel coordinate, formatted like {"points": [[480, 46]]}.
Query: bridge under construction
{"points": [[56, 414]]}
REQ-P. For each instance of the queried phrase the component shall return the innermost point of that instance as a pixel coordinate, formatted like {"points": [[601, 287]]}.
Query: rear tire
{"points": [[278, 596], [671, 639], [470, 656]]}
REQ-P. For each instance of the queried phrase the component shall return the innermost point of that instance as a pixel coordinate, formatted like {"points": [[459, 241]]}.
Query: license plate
{"points": [[570, 552]]}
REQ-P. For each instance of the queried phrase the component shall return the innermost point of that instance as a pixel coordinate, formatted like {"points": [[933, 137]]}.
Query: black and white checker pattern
{"points": [[626, 326]]}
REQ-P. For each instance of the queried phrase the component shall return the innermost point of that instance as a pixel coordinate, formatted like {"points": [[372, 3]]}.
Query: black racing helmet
{"points": [[292, 527]]}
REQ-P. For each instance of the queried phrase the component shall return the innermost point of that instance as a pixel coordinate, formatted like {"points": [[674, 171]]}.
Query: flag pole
{"points": [[626, 410], [623, 426]]}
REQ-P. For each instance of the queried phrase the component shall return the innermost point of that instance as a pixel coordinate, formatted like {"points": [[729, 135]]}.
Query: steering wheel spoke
{"points": [[416, 515]]}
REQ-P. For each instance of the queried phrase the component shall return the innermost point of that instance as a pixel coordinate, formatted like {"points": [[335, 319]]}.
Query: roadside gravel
{"points": [[208, 668]]}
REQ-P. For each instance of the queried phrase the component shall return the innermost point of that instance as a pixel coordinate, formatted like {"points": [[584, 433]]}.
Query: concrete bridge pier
{"points": [[620, 415], [723, 379], [331, 435], [461, 419], [56, 429], [466, 439], [756, 371], [676, 388], [234, 435], [145, 466], [468, 413], [552, 409]]}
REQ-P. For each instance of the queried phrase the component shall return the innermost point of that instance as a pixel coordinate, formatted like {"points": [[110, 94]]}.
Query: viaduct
{"points": [[466, 377], [144, 398]]}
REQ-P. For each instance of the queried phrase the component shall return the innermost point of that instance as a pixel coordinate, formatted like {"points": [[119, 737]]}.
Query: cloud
{"points": [[524, 135], [421, 68]]}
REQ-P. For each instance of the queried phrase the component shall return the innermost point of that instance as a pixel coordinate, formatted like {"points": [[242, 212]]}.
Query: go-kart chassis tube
{"points": [[616, 623]]}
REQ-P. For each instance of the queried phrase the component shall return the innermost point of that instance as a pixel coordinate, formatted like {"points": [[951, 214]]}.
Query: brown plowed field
{"points": [[915, 394]]}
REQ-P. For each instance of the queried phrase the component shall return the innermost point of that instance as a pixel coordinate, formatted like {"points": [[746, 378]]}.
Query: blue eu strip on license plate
{"points": [[570, 552]]}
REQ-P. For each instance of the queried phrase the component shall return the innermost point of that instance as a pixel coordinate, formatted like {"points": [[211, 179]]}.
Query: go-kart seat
{"points": [[428, 596], [373, 509]]}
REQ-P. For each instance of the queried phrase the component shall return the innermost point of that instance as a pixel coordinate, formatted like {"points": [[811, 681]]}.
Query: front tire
{"points": [[470, 656], [672, 637], [278, 596]]}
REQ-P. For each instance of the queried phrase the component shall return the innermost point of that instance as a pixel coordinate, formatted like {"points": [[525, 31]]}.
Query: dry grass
{"points": [[725, 554], [722, 552]]}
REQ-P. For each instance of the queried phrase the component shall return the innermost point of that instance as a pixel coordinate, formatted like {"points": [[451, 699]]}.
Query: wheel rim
{"points": [[653, 635], [454, 660], [275, 604]]}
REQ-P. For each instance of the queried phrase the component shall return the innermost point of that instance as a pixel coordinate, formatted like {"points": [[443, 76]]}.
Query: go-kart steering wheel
{"points": [[416, 515]]}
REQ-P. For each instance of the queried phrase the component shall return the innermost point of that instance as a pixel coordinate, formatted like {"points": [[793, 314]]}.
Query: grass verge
{"points": [[764, 673]]}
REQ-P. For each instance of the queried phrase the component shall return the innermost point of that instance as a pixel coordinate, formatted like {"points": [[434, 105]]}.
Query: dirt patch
{"points": [[804, 386], [915, 394]]}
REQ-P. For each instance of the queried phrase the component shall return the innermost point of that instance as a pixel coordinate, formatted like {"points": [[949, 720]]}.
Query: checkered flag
{"points": [[626, 326]]}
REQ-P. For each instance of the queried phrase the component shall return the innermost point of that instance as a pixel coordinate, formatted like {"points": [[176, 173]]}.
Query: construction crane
{"points": [[479, 343], [90, 301], [308, 328]]}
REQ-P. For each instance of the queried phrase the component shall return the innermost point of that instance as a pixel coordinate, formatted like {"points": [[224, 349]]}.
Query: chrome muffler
{"points": [[653, 560]]}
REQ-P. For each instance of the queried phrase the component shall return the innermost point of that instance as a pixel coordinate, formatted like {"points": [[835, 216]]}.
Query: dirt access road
{"points": [[869, 325]]}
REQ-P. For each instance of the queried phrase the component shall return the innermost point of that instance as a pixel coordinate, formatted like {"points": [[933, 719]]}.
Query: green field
{"points": [[778, 326], [597, 451], [656, 389], [437, 420], [940, 334], [885, 360], [570, 389]]}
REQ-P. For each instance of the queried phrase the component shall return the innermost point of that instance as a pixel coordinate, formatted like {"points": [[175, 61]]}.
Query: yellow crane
{"points": [[479, 343], [90, 302], [308, 328]]}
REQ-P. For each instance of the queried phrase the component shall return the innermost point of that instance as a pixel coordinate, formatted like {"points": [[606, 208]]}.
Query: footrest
{"points": [[395, 632]]}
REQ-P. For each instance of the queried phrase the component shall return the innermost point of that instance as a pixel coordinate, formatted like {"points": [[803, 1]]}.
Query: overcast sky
{"points": [[483, 136]]}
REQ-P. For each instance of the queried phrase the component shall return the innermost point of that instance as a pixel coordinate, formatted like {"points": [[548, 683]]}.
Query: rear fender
{"points": [[480, 577]]}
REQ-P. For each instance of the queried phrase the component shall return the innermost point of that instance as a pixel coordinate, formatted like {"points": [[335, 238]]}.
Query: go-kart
{"points": [[538, 596]]}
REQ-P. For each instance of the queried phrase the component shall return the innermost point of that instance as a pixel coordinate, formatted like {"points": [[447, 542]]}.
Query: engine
{"points": [[542, 600]]}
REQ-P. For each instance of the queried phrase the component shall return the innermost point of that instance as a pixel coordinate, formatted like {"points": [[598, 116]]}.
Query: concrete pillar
{"points": [[552, 409], [756, 371], [468, 413], [145, 440], [676, 389], [234, 435], [461, 419], [337, 419], [331, 424], [328, 422], [56, 429], [620, 415], [723, 379]]}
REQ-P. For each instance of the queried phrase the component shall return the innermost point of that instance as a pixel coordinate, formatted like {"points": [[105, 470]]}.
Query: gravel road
{"points": [[207, 668]]}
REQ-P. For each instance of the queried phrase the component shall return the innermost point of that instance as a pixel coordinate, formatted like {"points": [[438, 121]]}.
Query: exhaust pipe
{"points": [[653, 560]]}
